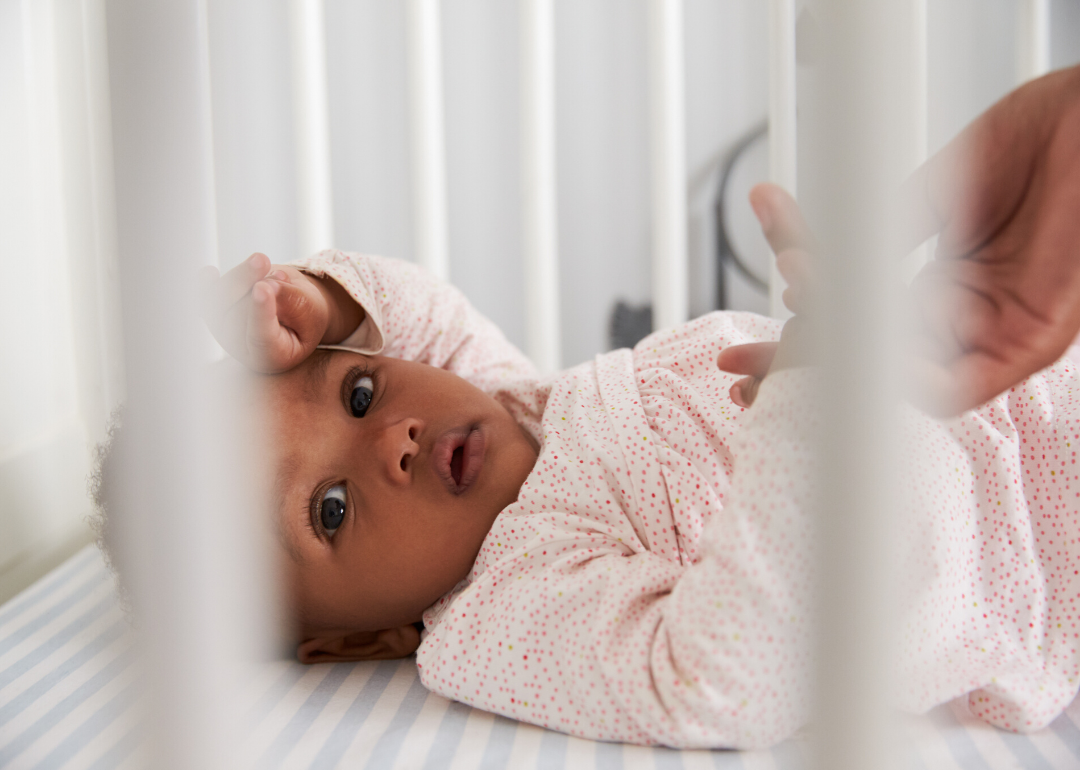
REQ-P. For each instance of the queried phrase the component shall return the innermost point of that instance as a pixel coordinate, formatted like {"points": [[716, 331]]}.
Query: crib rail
{"points": [[315, 215], [540, 231], [428, 145]]}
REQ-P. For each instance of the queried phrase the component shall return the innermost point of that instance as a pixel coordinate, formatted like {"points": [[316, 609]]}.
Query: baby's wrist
{"points": [[344, 313]]}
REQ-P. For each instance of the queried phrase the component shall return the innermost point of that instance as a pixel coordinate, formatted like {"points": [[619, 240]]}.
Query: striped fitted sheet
{"points": [[68, 700]]}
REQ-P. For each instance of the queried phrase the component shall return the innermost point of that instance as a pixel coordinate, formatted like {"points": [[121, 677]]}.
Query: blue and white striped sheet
{"points": [[68, 700]]}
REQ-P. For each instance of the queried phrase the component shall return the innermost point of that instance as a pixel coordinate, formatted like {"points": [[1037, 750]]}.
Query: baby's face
{"points": [[389, 474]]}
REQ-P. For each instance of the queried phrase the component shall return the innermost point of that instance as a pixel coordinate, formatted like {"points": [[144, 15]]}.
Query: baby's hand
{"points": [[271, 317], [789, 235], [792, 242], [758, 359]]}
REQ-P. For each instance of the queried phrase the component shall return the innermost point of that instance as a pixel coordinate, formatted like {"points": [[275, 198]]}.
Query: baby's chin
{"points": [[516, 460], [532, 442]]}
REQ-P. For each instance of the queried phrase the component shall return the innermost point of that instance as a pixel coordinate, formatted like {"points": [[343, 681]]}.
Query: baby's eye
{"points": [[332, 510], [360, 398]]}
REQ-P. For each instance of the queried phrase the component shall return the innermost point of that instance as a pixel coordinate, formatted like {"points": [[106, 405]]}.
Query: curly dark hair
{"points": [[101, 485]]}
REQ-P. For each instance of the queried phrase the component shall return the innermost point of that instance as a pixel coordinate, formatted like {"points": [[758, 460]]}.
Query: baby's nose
{"points": [[400, 449]]}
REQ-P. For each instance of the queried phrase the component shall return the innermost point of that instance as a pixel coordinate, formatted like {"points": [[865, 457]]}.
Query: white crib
{"points": [[150, 193]]}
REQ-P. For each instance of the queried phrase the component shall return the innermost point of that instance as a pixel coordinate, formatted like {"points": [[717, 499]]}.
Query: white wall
{"points": [[61, 371], [603, 168], [253, 129], [1064, 32]]}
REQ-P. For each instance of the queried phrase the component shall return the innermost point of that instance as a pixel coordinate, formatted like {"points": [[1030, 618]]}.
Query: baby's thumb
{"points": [[298, 313]]}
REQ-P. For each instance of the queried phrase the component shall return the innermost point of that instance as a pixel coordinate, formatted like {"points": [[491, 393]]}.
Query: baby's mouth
{"points": [[455, 464], [458, 456]]}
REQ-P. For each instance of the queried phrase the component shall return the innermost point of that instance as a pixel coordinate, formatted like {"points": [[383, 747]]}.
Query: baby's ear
{"points": [[364, 645]]}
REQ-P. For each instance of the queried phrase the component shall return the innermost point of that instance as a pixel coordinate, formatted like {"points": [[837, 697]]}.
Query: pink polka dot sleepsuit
{"points": [[652, 582]]}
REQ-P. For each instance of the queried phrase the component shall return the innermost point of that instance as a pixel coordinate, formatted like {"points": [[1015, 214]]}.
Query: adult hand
{"points": [[1001, 299], [271, 317]]}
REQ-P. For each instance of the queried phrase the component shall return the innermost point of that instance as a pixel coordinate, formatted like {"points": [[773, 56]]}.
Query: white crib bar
{"points": [[539, 209], [921, 78], [863, 132], [109, 331], [783, 168], [160, 94], [1033, 39], [668, 149], [315, 215], [920, 119], [428, 137]]}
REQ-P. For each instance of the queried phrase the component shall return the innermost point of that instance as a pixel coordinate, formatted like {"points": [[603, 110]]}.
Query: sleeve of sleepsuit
{"points": [[582, 632], [412, 315], [732, 655]]}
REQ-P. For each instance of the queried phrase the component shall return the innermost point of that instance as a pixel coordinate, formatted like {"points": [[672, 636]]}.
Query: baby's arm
{"points": [[582, 629], [410, 314], [271, 317]]}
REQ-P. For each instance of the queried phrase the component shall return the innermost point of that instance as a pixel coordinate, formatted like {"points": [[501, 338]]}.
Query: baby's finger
{"points": [[264, 332], [744, 392], [793, 301], [781, 220], [296, 311], [753, 358], [235, 284], [796, 267]]}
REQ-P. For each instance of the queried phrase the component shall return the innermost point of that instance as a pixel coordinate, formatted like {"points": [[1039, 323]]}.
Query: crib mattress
{"points": [[68, 700]]}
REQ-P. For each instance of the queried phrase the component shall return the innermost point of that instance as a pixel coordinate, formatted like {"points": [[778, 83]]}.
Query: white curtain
{"points": [[60, 373]]}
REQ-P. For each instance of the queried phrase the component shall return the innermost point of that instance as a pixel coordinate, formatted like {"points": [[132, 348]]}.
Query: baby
{"points": [[621, 551]]}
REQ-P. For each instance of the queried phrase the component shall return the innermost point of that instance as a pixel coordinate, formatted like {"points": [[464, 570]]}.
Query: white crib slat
{"points": [[165, 224], [921, 119], [921, 77], [428, 137], [312, 120], [194, 568], [668, 140], [861, 132], [539, 213], [1033, 39], [782, 123], [919, 124]]}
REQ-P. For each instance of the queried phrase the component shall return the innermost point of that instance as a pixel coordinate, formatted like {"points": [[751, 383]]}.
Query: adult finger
{"points": [[946, 390], [975, 183], [945, 384]]}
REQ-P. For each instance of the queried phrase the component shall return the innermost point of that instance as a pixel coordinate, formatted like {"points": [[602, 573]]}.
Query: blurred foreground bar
{"points": [[182, 539], [864, 125]]}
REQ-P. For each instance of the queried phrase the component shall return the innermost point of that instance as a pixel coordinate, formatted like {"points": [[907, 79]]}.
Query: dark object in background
{"points": [[725, 252], [629, 324]]}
